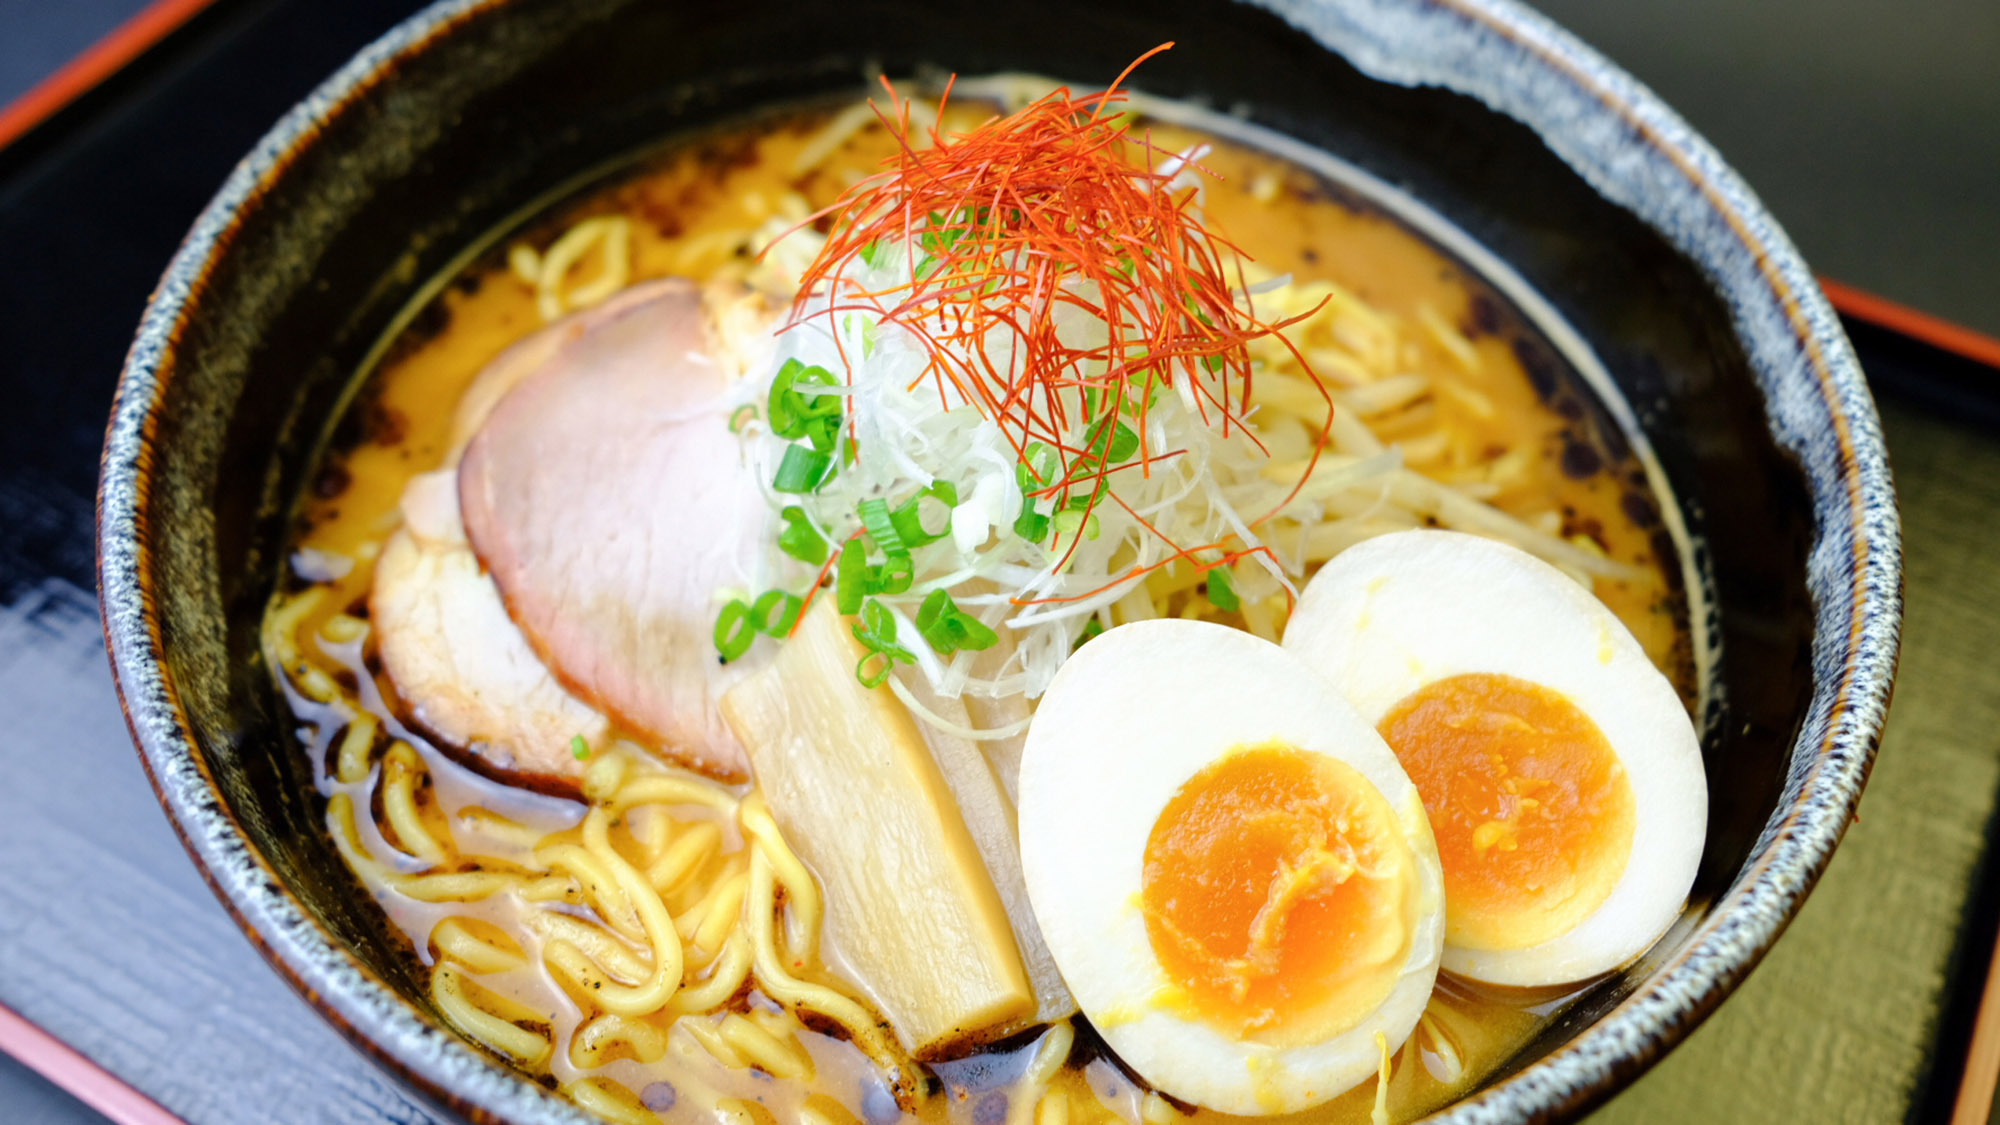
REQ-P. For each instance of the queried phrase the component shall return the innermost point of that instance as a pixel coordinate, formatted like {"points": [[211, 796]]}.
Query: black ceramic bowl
{"points": [[1640, 240]]}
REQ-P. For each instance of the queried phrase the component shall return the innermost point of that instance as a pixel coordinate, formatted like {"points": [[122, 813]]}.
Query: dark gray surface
{"points": [[30, 1099], [37, 36], [108, 937], [250, 1050], [1871, 128]]}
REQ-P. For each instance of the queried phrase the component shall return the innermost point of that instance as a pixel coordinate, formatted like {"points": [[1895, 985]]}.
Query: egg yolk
{"points": [[1530, 806], [1279, 895]]}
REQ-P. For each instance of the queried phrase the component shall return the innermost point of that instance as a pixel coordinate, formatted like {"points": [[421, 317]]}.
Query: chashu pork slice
{"points": [[466, 674], [464, 671], [609, 502]]}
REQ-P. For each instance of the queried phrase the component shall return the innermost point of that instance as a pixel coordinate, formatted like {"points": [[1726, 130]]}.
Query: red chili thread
{"points": [[1055, 205]]}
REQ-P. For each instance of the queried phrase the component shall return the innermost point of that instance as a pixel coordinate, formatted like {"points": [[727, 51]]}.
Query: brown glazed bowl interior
{"points": [[1635, 234]]}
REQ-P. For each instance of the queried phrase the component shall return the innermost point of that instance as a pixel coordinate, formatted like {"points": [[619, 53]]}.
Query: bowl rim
{"points": [[1521, 65]]}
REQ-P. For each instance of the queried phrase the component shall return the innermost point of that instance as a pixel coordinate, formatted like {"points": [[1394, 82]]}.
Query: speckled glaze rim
{"points": [[1611, 130]]}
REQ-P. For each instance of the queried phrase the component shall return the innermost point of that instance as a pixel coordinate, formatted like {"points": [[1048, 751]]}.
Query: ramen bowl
{"points": [[1566, 186]]}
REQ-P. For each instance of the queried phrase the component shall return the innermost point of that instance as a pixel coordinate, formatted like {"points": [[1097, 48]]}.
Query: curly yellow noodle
{"points": [[725, 914], [607, 1037], [742, 1111], [673, 789], [609, 1100], [552, 888], [652, 994], [477, 944], [281, 627], [704, 1033], [498, 828], [1398, 391], [343, 629], [822, 1110], [600, 885], [619, 911], [315, 684], [867, 1031], [525, 261], [487, 1017], [600, 947], [1442, 1046], [281, 645], [574, 971], [720, 908], [617, 267], [726, 976], [802, 899], [686, 854], [1028, 1092], [1450, 339], [455, 886], [613, 235], [1050, 1054], [401, 770], [357, 745], [604, 775], [347, 840], [775, 1055]]}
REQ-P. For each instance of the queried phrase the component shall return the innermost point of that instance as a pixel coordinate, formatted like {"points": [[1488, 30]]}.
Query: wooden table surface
{"points": [[109, 940]]}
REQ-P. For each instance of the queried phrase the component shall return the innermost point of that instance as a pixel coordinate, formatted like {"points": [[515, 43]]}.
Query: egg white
{"points": [[1392, 614], [1126, 722]]}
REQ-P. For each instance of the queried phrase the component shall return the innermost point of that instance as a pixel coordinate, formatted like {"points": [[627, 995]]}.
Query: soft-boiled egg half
{"points": [[1236, 878], [1560, 769]]}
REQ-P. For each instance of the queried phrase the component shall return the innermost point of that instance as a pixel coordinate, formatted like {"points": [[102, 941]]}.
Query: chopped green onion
{"points": [[1036, 471], [1122, 442], [875, 253], [794, 415], [735, 632], [800, 539], [947, 628], [1072, 519], [1221, 591], [883, 663], [742, 417], [578, 748], [1030, 526], [802, 470], [776, 612], [850, 578], [877, 626], [877, 632], [908, 519], [1037, 468], [824, 429], [1090, 629], [875, 520], [893, 576], [932, 623], [784, 422]]}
